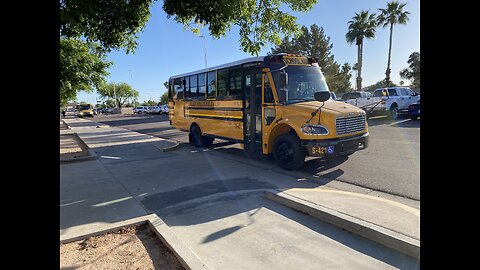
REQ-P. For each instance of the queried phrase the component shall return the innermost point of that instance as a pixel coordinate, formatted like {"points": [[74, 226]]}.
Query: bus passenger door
{"points": [[252, 116]]}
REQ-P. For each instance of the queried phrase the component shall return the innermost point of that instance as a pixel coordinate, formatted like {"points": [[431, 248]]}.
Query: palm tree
{"points": [[361, 26], [393, 14]]}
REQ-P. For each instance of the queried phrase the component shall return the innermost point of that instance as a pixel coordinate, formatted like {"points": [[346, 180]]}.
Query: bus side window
{"points": [[201, 86], [235, 89], [186, 87], [178, 88], [222, 83], [212, 84], [193, 87]]}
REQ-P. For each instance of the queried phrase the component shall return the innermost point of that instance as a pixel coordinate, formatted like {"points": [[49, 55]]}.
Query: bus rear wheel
{"points": [[288, 152], [195, 136]]}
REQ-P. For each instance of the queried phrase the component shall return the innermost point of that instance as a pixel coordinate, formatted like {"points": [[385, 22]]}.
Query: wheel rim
{"points": [[285, 152], [395, 113]]}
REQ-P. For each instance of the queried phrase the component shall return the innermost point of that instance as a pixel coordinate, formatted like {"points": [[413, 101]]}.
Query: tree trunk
{"points": [[359, 66], [387, 73]]}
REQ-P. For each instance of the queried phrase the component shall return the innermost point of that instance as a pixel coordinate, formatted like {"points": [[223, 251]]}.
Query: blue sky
{"points": [[165, 49]]}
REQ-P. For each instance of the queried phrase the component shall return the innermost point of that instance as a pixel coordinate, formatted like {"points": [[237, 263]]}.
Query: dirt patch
{"points": [[131, 248], [72, 147]]}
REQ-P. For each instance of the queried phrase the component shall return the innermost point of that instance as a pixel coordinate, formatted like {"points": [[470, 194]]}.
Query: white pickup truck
{"points": [[390, 101]]}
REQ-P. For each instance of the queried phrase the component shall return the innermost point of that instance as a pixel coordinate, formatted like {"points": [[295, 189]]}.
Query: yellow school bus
{"points": [[277, 104], [84, 110]]}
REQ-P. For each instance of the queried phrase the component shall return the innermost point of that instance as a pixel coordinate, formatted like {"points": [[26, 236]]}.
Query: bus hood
{"points": [[298, 114], [331, 107]]}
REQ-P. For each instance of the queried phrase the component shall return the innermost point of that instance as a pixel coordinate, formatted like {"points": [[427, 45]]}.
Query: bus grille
{"points": [[350, 124]]}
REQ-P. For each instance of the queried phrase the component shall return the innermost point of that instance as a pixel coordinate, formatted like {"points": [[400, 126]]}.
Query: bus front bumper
{"points": [[336, 147]]}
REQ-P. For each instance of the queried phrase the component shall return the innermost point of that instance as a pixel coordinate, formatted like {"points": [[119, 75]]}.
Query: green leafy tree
{"points": [[110, 103], [149, 103], [286, 46], [412, 73], [379, 84], [81, 68], [259, 21], [361, 26], [393, 14], [89, 29], [316, 43], [340, 82], [120, 91], [164, 98], [114, 24]]}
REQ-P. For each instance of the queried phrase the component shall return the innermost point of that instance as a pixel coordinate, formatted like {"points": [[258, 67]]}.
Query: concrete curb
{"points": [[384, 236], [185, 255], [65, 123], [91, 154], [171, 148]]}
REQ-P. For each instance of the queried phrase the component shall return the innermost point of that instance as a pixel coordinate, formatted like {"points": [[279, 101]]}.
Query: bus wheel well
{"points": [[193, 124], [276, 132]]}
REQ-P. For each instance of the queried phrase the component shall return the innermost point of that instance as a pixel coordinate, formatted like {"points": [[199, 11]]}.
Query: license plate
{"points": [[322, 150]]}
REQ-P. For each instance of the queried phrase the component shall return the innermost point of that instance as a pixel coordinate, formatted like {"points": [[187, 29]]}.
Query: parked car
{"points": [[397, 100], [414, 110], [140, 109], [154, 110], [360, 99], [334, 96], [390, 101], [164, 109], [354, 95]]}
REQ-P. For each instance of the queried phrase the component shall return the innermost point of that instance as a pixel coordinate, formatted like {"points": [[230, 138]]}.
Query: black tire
{"points": [[288, 152], [414, 117], [394, 112], [195, 136]]}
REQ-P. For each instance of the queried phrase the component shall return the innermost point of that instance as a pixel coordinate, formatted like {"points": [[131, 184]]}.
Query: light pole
{"points": [[115, 95], [204, 49], [131, 77]]}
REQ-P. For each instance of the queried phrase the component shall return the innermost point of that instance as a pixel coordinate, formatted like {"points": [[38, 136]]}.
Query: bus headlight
{"points": [[314, 130]]}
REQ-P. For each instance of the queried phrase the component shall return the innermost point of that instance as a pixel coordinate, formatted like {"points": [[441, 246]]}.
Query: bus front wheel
{"points": [[288, 152]]}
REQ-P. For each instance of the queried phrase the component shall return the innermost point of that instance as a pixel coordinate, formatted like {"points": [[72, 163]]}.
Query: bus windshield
{"points": [[303, 82], [84, 107]]}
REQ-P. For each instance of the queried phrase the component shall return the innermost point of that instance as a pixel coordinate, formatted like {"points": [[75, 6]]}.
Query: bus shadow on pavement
{"points": [[313, 165]]}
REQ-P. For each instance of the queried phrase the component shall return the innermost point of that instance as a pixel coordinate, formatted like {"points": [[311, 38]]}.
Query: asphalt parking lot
{"points": [[391, 164]]}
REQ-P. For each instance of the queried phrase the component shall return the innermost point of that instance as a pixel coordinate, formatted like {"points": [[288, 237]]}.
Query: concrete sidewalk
{"points": [[90, 195], [387, 222], [216, 205]]}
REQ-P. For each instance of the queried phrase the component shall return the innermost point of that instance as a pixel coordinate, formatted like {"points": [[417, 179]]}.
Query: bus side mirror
{"points": [[322, 96]]}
